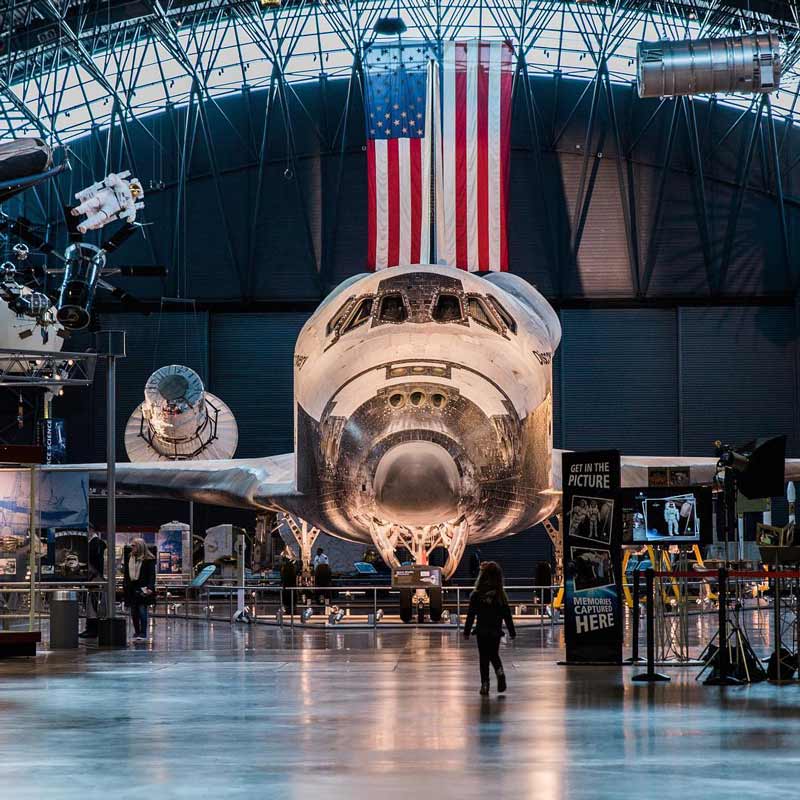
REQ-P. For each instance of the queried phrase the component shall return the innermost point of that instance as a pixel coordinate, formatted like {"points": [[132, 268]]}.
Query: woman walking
{"points": [[489, 604], [139, 585]]}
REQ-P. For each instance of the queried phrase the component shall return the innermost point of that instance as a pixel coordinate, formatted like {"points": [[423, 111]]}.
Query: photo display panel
{"points": [[592, 536], [661, 515]]}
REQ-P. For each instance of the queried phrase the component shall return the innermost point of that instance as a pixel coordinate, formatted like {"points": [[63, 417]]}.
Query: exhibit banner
{"points": [[62, 499], [592, 544], [52, 436]]}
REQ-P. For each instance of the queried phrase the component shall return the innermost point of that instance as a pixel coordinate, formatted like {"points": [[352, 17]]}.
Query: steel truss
{"points": [[77, 66]]}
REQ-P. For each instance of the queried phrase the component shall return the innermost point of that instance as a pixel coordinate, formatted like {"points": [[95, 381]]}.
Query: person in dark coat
{"points": [[475, 564], [96, 572], [139, 585], [488, 604], [288, 579]]}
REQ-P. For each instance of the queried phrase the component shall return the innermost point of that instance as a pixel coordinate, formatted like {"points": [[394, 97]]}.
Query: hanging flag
{"points": [[474, 156], [400, 81]]}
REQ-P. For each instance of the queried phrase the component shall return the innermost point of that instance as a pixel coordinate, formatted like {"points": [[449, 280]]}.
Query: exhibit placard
{"points": [[417, 576], [592, 557]]}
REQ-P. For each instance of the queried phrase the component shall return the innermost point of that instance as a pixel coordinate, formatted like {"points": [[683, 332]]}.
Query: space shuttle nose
{"points": [[417, 482]]}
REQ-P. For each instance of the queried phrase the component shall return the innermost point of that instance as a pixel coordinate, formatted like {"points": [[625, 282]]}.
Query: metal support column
{"points": [[111, 344]]}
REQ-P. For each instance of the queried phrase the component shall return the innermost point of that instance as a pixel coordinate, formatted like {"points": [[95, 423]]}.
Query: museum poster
{"points": [[592, 533]]}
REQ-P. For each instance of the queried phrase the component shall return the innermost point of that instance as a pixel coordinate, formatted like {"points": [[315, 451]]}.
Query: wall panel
{"points": [[739, 376], [619, 376], [251, 368]]}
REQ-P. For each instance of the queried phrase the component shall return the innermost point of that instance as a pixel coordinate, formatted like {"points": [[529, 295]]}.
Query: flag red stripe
{"points": [[505, 149], [393, 171], [461, 156], [415, 167], [372, 233], [483, 157]]}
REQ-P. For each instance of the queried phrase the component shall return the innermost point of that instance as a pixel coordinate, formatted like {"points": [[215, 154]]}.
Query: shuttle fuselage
{"points": [[423, 397]]}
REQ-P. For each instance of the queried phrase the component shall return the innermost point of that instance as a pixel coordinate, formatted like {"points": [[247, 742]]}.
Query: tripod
{"points": [[732, 659]]}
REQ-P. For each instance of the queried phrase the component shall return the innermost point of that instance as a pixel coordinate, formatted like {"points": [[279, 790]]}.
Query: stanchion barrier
{"points": [[634, 659], [651, 676]]}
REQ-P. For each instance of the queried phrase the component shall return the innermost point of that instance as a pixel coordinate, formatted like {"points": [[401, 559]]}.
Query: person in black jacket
{"points": [[96, 572], [489, 605], [139, 584]]}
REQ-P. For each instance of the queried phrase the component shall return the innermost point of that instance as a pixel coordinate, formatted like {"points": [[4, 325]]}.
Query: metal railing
{"points": [[338, 606]]}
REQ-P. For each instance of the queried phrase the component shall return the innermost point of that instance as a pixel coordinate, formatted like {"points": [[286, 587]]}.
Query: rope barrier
{"points": [[742, 573]]}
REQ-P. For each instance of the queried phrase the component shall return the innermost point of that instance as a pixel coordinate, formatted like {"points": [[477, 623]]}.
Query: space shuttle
{"points": [[423, 399]]}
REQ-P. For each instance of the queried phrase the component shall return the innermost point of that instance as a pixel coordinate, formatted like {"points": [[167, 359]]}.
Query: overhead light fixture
{"points": [[747, 64], [390, 26]]}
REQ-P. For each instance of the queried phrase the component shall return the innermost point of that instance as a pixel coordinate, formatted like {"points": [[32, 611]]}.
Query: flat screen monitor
{"points": [[660, 515]]}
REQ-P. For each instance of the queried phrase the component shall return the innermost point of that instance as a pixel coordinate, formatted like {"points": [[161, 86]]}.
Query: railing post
{"points": [[634, 659], [651, 676]]}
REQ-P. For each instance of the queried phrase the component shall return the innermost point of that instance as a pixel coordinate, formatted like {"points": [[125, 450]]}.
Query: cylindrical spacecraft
{"points": [[179, 420], [22, 157], [746, 64]]}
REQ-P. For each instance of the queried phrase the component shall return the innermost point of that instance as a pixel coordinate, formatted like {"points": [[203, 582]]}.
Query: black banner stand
{"points": [[592, 555]]}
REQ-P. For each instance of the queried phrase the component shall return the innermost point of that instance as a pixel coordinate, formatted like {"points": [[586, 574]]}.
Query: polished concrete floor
{"points": [[214, 711]]}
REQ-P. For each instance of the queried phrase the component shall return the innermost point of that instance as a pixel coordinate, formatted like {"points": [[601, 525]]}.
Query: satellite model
{"points": [[83, 268], [179, 420]]}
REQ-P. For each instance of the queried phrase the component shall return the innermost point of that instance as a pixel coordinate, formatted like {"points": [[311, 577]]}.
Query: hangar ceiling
{"points": [[621, 198], [67, 65]]}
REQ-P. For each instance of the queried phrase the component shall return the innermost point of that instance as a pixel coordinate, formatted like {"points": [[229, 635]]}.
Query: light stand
{"points": [[756, 469]]}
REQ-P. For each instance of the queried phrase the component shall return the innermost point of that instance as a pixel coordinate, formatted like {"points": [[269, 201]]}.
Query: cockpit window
{"points": [[362, 312], [508, 320], [478, 310], [448, 308], [392, 308], [338, 318]]}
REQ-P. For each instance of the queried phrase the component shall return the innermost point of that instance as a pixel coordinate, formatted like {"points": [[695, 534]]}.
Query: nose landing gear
{"points": [[421, 542]]}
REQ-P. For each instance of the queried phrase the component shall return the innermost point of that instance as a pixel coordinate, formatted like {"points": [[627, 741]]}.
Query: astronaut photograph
{"points": [[593, 567], [670, 517], [591, 518]]}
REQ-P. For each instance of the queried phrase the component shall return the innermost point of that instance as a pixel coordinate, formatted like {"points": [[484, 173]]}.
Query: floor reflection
{"points": [[217, 711]]}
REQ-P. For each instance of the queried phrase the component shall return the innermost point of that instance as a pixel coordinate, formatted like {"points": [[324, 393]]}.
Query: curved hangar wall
{"points": [[584, 224], [705, 348]]}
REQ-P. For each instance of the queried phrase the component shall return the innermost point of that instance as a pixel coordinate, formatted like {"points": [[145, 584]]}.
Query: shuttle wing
{"points": [[701, 469], [237, 482]]}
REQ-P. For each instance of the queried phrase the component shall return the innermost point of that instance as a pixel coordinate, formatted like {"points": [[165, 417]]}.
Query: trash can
{"points": [[64, 620]]}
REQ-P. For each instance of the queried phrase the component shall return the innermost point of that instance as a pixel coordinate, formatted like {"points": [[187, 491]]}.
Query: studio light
{"points": [[390, 26], [759, 466], [747, 64]]}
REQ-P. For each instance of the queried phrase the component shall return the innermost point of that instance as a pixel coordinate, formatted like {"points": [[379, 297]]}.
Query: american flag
{"points": [[473, 160], [400, 95]]}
